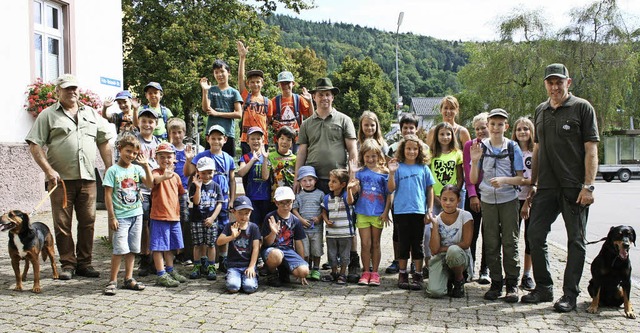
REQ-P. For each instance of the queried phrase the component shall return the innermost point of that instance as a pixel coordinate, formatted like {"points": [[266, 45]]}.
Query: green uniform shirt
{"points": [[71, 146]]}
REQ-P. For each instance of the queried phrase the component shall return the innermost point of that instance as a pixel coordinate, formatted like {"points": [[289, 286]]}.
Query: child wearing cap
{"points": [[128, 107], [222, 103], [223, 175], [282, 234], [281, 164], [288, 109], [154, 93], [250, 168], [207, 198], [308, 209], [243, 238], [256, 106], [500, 162], [166, 234], [147, 120]]}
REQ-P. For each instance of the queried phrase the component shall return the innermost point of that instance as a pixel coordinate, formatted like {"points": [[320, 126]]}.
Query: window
{"points": [[48, 39]]}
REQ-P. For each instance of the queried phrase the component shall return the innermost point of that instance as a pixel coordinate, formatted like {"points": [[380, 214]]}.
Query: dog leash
{"points": [[598, 241], [64, 203]]}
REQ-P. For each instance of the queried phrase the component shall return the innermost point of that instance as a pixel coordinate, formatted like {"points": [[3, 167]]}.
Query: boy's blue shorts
{"points": [[291, 258], [165, 235]]}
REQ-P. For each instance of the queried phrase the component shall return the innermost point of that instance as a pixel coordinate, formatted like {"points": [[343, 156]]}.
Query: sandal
{"points": [[329, 278], [110, 289], [342, 279], [132, 284]]}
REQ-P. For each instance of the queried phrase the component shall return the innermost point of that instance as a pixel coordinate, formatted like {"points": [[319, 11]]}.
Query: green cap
{"points": [[285, 77], [558, 70]]}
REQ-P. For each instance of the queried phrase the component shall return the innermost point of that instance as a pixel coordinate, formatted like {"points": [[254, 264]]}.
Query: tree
{"points": [[363, 86], [175, 42]]}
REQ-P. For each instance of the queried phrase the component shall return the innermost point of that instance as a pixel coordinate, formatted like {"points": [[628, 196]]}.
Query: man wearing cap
{"points": [[154, 93], [71, 131], [326, 137], [288, 109], [123, 120], [565, 162]]}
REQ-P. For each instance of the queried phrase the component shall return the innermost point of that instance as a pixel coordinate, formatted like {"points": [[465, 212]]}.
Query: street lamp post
{"points": [[399, 98]]}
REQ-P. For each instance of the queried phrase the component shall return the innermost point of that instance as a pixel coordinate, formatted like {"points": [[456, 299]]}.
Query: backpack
{"points": [[348, 208], [510, 148], [296, 108]]}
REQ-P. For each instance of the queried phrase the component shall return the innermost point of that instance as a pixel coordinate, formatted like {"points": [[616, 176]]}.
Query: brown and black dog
{"points": [[28, 241], [611, 272]]}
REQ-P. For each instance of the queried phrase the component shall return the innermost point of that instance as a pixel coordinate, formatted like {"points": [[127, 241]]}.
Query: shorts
{"points": [[313, 244], [127, 238], [291, 259], [410, 234], [223, 216], [339, 248], [165, 235], [201, 235], [365, 221]]}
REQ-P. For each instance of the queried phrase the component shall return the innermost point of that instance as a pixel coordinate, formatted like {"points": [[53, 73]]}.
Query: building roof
{"points": [[425, 106]]}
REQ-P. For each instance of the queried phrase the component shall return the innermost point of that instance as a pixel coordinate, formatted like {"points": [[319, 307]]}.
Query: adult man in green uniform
{"points": [[71, 131], [565, 162]]}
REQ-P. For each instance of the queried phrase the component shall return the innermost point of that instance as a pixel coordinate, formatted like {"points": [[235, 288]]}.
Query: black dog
{"points": [[611, 272], [28, 241]]}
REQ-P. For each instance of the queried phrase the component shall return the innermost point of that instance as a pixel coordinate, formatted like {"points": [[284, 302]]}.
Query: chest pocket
{"points": [[568, 128]]}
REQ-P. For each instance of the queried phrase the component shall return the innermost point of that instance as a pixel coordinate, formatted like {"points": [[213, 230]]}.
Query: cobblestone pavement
{"points": [[200, 305]]}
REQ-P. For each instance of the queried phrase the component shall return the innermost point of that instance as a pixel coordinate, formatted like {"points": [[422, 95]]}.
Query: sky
{"points": [[466, 20]]}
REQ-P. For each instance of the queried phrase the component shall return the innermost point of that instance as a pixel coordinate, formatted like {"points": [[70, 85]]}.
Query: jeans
{"points": [[236, 279]]}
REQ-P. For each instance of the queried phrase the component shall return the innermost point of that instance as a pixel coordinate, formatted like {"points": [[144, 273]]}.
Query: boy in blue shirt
{"points": [[250, 168], [222, 103]]}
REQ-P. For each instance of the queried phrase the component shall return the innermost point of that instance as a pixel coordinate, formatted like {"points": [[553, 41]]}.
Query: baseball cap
{"points": [[148, 110], [125, 94], [165, 147], [66, 81], [306, 170], [153, 85], [558, 70], [216, 128], [285, 77], [242, 202], [284, 193], [498, 113], [206, 163], [255, 72], [255, 129]]}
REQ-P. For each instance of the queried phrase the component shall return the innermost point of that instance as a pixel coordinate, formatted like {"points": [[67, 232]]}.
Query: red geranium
{"points": [[41, 95]]}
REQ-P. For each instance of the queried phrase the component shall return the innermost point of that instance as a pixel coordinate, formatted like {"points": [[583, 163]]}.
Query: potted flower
{"points": [[41, 95]]}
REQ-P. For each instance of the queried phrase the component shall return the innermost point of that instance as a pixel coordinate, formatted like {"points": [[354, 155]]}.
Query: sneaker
{"points": [[66, 274], [260, 262], [403, 280], [566, 303], [484, 278], [364, 279], [165, 280], [374, 279], [393, 268], [537, 296], [178, 277], [457, 290], [211, 273], [195, 272], [314, 275], [187, 262], [494, 292], [527, 283], [416, 281], [87, 271], [512, 292], [204, 264]]}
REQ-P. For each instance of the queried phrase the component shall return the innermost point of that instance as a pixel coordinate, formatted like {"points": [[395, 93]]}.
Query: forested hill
{"points": [[427, 66]]}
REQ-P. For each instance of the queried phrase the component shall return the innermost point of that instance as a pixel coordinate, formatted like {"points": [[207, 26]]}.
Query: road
{"points": [[615, 204]]}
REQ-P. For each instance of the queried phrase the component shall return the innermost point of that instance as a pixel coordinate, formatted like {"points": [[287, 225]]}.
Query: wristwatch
{"points": [[590, 187]]}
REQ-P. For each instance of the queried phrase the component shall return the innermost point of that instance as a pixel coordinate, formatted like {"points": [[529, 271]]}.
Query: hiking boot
{"points": [[537, 296], [195, 272], [458, 289], [416, 281], [393, 268], [403, 280], [566, 303], [66, 274], [165, 280], [145, 265], [364, 279], [425, 272], [527, 283], [87, 271], [211, 273], [494, 292], [353, 268], [177, 276], [484, 278], [512, 292]]}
